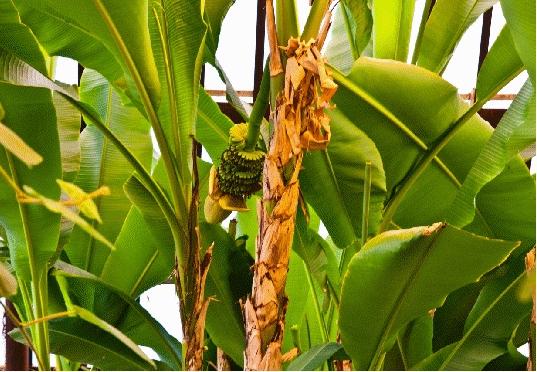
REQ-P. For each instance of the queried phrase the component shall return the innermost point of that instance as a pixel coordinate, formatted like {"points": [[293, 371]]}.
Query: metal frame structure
{"points": [[18, 357]]}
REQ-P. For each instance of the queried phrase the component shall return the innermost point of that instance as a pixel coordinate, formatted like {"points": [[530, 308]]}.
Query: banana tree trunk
{"points": [[299, 123]]}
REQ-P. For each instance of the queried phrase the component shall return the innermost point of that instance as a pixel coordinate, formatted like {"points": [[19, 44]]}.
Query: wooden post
{"points": [[17, 355]]}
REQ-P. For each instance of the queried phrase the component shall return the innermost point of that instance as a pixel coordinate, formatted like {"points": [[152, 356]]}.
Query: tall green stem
{"points": [[315, 18], [286, 21], [367, 198], [39, 310], [320, 318], [258, 111]]}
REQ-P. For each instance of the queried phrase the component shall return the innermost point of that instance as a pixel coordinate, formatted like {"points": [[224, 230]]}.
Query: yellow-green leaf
{"points": [[57, 207], [87, 207], [14, 144]]}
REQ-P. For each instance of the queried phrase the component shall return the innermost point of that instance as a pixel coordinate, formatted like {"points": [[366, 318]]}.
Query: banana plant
{"points": [[429, 211]]}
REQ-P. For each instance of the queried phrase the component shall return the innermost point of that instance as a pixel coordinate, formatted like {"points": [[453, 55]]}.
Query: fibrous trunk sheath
{"points": [[299, 123], [193, 306]]}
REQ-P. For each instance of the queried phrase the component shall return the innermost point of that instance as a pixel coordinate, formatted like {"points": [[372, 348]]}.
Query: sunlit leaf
{"points": [[392, 24], [14, 144]]}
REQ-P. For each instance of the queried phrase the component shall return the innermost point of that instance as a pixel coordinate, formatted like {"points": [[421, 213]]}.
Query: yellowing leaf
{"points": [[57, 207], [14, 144], [87, 206]]}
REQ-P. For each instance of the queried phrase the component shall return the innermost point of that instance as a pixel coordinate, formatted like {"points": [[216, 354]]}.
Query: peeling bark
{"points": [[223, 361], [299, 124]]}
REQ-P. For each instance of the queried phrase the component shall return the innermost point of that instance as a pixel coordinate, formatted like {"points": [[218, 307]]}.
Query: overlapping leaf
{"points": [[498, 151], [487, 329], [338, 49], [183, 31], [314, 357], [401, 275], [119, 310], [103, 165], [32, 230], [60, 35], [404, 109], [122, 28], [69, 120], [212, 127], [16, 34], [136, 250]]}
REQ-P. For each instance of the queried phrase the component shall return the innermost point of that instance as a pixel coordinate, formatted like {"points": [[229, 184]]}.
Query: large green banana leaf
{"points": [[449, 319], [229, 279], [95, 345], [154, 218], [31, 229], [15, 35], [401, 275], [318, 256], [338, 49], [296, 290], [416, 340], [103, 165], [60, 35], [446, 25], [404, 109], [178, 38], [360, 19], [136, 250], [216, 10], [212, 127], [122, 29], [69, 120]]}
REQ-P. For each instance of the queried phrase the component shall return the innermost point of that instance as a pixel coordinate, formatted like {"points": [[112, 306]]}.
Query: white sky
{"points": [[236, 55]]}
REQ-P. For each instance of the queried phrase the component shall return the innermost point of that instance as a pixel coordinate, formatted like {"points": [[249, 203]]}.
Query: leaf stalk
{"points": [[258, 111]]}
